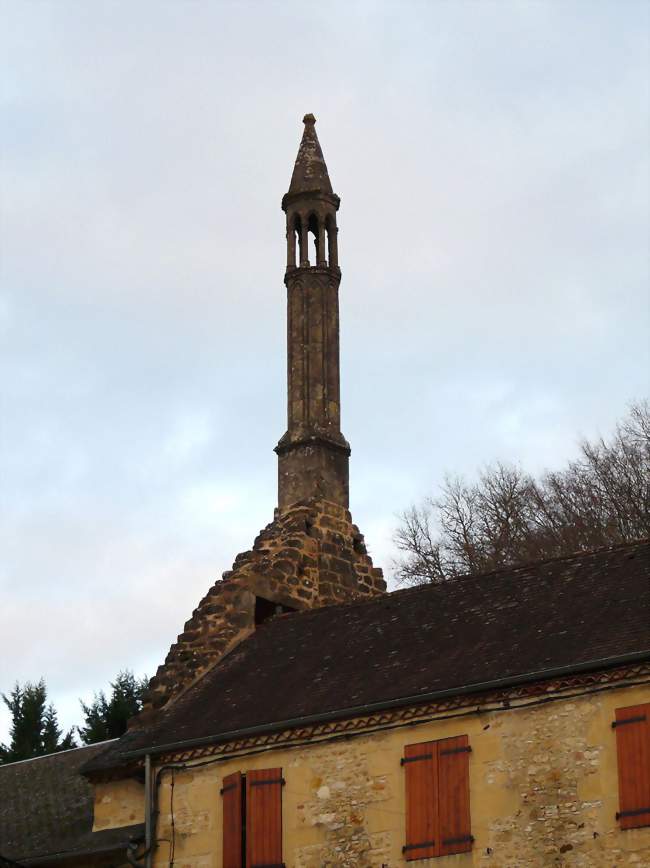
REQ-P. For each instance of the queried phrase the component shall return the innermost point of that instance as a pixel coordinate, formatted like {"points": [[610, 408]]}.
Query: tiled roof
{"points": [[46, 810], [567, 613]]}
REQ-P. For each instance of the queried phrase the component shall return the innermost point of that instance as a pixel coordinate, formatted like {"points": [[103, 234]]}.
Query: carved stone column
{"points": [[313, 454]]}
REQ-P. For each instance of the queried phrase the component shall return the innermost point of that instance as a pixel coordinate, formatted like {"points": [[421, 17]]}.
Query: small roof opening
{"points": [[265, 609]]}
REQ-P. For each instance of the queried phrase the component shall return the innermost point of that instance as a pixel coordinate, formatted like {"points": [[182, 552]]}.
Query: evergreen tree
{"points": [[34, 725], [107, 718], [52, 741]]}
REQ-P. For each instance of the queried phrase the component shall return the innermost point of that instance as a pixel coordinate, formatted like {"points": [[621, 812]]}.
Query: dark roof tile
{"points": [[46, 809], [514, 623]]}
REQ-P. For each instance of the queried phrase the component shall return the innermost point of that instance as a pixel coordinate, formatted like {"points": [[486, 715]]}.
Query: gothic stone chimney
{"points": [[311, 554], [313, 454]]}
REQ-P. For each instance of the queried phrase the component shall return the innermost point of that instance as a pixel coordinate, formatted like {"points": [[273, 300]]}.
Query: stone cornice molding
{"points": [[310, 196], [298, 273], [288, 442]]}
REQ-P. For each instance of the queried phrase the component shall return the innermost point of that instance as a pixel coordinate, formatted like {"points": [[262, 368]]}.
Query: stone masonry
{"points": [[313, 454], [308, 556]]}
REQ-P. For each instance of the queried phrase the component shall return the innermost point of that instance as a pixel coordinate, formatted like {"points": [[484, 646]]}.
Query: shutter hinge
{"points": [[464, 839], [419, 846], [266, 784], [412, 759], [635, 813], [227, 788], [466, 749], [638, 719], [268, 865]]}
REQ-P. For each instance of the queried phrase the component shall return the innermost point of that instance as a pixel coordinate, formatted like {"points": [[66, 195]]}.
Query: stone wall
{"points": [[543, 785], [310, 555], [118, 803]]}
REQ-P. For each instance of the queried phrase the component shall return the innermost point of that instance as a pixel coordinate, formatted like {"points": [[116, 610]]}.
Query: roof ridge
{"points": [[32, 759], [465, 577], [585, 553]]}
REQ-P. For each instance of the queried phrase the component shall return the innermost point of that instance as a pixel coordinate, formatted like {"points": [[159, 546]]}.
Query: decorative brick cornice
{"points": [[498, 700]]}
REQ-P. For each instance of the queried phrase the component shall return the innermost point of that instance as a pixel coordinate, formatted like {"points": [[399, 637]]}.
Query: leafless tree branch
{"points": [[507, 517]]}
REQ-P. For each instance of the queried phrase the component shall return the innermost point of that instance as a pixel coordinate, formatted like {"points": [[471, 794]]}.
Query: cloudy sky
{"points": [[492, 160]]}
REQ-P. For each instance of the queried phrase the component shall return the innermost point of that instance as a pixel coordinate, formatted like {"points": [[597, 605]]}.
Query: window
{"points": [[632, 727], [437, 798], [252, 819]]}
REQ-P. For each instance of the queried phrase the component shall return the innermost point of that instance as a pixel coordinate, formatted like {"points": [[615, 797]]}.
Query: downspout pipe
{"points": [[369, 708], [133, 846], [148, 811], [131, 849]]}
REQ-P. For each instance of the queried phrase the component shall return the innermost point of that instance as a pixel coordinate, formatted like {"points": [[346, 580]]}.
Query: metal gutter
{"points": [[116, 847], [354, 711], [8, 863]]}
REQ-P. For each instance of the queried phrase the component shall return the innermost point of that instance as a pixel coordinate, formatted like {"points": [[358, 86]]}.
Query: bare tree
{"points": [[507, 517]]}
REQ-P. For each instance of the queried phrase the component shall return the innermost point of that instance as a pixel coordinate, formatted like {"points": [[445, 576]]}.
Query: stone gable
{"points": [[309, 556]]}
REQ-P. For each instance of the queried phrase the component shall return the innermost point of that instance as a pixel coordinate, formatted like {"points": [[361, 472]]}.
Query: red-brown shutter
{"points": [[232, 820], [632, 728], [420, 769], [264, 818], [453, 795]]}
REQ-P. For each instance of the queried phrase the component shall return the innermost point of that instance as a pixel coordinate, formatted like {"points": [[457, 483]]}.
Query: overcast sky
{"points": [[492, 161]]}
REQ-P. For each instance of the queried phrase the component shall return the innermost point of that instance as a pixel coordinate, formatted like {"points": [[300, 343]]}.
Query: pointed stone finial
{"points": [[310, 172]]}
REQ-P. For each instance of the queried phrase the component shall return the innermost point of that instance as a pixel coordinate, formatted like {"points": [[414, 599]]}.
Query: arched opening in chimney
{"points": [[314, 229], [332, 252]]}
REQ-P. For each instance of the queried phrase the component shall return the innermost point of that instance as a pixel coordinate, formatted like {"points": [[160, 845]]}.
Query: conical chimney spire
{"points": [[310, 172]]}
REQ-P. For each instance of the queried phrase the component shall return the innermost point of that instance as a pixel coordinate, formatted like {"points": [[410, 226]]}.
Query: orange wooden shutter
{"points": [[632, 727], [264, 818], [232, 820], [453, 795], [420, 768]]}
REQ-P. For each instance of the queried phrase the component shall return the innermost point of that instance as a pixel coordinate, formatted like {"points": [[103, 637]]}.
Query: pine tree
{"points": [[34, 725], [52, 741], [95, 728], [108, 718]]}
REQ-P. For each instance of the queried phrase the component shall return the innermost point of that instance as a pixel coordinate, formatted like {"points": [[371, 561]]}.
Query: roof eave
{"points": [[135, 833], [354, 711]]}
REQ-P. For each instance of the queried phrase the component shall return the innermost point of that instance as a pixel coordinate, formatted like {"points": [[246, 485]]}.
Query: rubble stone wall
{"points": [[543, 792], [310, 555]]}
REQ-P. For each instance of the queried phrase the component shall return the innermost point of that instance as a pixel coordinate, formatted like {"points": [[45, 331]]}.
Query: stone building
{"points": [[306, 718]]}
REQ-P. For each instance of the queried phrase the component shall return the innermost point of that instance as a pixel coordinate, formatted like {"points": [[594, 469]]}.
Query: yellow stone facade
{"points": [[543, 789], [119, 803]]}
